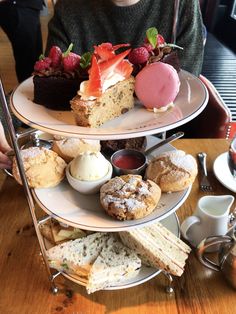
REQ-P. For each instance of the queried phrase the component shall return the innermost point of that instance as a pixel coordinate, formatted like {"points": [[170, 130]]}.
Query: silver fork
{"points": [[205, 185]]}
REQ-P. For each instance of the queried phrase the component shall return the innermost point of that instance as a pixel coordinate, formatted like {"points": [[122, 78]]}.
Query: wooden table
{"points": [[25, 287]]}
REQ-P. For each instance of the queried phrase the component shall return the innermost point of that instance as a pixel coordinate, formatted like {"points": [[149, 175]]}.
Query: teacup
{"points": [[210, 219]]}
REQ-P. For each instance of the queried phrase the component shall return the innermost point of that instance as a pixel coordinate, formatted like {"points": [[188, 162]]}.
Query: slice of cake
{"points": [[158, 247], [57, 77], [55, 92], [115, 264], [109, 91]]}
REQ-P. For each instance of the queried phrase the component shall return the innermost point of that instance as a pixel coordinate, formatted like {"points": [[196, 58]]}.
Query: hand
{"points": [[5, 161]]}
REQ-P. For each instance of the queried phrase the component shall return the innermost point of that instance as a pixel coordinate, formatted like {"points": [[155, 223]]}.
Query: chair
{"points": [[215, 121]]}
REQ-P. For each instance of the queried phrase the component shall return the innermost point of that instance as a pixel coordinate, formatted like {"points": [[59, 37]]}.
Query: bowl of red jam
{"points": [[128, 161]]}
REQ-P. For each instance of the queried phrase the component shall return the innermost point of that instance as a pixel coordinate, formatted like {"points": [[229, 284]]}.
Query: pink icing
{"points": [[157, 85]]}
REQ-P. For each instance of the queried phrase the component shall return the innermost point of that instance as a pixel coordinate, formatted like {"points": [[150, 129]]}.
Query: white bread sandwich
{"points": [[77, 256], [115, 264], [99, 260], [158, 247]]}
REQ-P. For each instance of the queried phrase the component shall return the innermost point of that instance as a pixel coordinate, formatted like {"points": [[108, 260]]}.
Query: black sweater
{"points": [[89, 22], [33, 4]]}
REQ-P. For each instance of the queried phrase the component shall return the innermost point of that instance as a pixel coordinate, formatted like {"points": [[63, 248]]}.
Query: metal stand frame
{"points": [[15, 137]]}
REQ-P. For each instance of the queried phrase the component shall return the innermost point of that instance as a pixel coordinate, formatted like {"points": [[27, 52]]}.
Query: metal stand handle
{"points": [[14, 141]]}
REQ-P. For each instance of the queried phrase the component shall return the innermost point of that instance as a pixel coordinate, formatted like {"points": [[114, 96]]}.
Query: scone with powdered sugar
{"points": [[129, 197], [69, 147], [173, 171], [43, 167]]}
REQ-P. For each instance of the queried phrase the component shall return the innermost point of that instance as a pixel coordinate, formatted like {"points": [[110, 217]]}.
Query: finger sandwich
{"points": [[157, 247], [99, 260]]}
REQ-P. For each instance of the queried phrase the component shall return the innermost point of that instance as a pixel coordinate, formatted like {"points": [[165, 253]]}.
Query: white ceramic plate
{"points": [[146, 273], [222, 172], [190, 101], [85, 211]]}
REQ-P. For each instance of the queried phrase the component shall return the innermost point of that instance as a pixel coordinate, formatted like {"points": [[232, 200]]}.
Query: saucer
{"points": [[222, 172]]}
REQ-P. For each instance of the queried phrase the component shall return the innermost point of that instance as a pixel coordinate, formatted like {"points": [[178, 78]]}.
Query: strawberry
{"points": [[160, 40], [116, 47], [104, 51], [124, 68], [148, 46], [94, 86], [70, 60], [110, 65], [56, 55], [101, 69], [139, 55], [42, 64], [154, 38]]}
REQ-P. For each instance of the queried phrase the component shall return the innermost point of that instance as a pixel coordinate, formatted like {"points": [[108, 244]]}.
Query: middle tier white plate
{"points": [[85, 211]]}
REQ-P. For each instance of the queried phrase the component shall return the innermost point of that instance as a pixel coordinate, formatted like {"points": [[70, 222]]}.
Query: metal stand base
{"points": [[169, 287], [55, 290]]}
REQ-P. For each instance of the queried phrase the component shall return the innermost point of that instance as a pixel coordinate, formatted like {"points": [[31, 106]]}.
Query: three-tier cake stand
{"points": [[74, 209]]}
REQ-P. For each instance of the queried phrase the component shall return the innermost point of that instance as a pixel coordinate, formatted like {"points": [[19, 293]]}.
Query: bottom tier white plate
{"points": [[146, 273]]}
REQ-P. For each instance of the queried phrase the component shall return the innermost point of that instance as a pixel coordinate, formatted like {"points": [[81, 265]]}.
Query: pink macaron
{"points": [[157, 85]]}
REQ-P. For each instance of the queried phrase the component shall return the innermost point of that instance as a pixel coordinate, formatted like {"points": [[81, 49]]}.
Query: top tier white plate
{"points": [[190, 101]]}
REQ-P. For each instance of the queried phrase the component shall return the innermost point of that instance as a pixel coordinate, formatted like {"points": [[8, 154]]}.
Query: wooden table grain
{"points": [[25, 287]]}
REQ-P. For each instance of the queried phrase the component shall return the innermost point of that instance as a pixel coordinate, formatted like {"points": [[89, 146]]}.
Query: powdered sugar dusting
{"points": [[126, 195], [182, 160], [32, 152]]}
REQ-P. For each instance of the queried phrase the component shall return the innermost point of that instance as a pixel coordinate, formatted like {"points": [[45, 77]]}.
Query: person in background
{"points": [[20, 20], [86, 23]]}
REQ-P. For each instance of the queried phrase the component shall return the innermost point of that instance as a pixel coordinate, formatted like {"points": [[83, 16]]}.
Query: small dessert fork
{"points": [[205, 185]]}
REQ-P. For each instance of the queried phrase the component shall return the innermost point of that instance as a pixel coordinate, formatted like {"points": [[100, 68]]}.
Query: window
{"points": [[233, 12]]}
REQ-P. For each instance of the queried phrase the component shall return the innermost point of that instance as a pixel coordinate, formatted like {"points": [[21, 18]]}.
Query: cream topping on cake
{"points": [[111, 80]]}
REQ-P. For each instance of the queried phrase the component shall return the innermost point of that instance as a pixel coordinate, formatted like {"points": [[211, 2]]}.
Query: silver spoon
{"points": [[136, 158], [172, 138]]}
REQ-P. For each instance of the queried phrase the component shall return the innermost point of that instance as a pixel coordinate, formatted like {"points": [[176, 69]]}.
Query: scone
{"points": [[43, 167], [69, 148], [173, 171], [129, 197]]}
